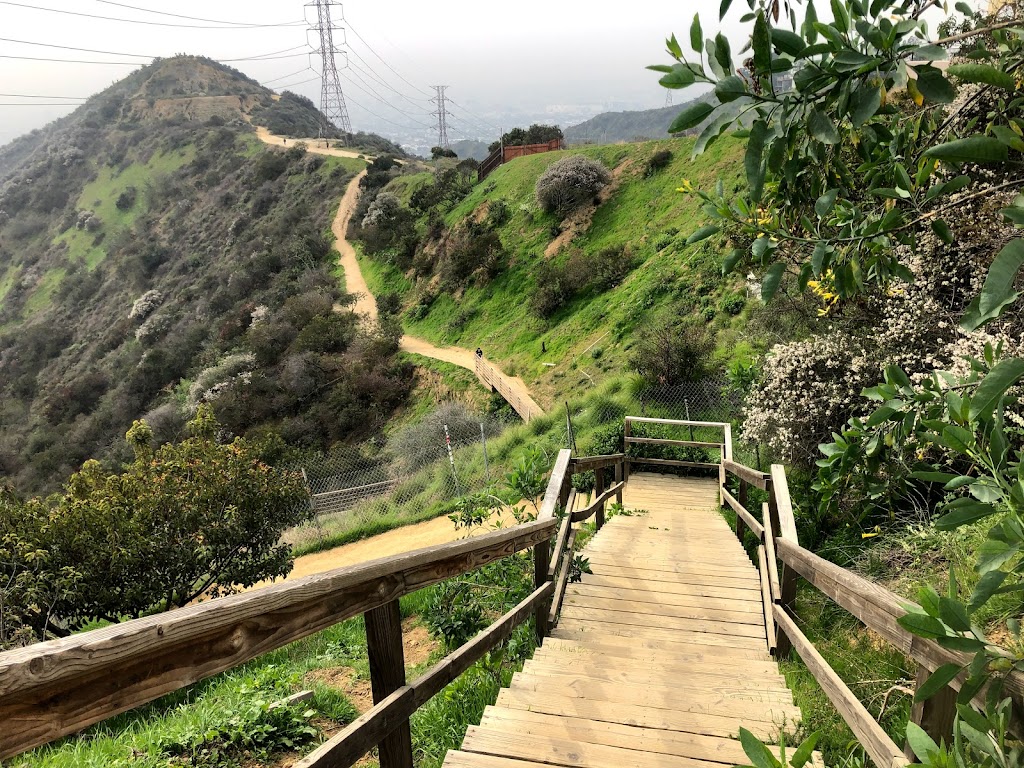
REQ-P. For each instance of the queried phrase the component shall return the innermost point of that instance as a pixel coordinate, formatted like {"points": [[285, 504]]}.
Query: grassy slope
{"points": [[642, 214]]}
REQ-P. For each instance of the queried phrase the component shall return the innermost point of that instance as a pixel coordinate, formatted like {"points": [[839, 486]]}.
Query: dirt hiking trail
{"points": [[366, 304]]}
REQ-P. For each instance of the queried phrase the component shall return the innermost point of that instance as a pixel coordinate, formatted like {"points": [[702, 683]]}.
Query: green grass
{"points": [[643, 213], [100, 197], [40, 298], [7, 281]]}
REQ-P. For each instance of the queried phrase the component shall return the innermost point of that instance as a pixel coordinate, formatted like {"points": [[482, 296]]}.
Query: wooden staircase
{"points": [[659, 657]]}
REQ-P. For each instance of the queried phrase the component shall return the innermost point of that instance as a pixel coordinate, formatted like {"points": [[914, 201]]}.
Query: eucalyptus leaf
{"points": [[974, 149], [691, 117], [772, 280], [696, 35], [822, 128], [983, 73]]}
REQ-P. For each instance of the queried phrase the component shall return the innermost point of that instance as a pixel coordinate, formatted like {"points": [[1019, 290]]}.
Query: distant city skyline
{"points": [[563, 62]]}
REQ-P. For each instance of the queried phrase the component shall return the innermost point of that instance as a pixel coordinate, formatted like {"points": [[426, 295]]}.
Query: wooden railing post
{"points": [[627, 433], [387, 675], [934, 715], [598, 490], [741, 528], [618, 479], [557, 494], [782, 525]]}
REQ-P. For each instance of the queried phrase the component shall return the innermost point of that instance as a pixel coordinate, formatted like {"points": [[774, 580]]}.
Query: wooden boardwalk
{"points": [[659, 657]]}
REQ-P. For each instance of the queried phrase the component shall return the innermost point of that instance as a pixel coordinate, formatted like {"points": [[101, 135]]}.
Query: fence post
{"points": [[618, 479], [782, 524], [934, 715], [487, 466], [627, 432], [598, 490], [387, 675]]}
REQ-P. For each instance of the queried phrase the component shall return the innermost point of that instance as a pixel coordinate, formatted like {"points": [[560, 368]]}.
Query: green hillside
{"points": [[646, 214]]}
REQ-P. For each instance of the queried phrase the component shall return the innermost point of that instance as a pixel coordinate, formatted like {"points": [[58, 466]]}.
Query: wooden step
{"points": [[697, 746], [697, 588], [577, 629], [719, 700], [626, 652], [747, 605], [565, 752], [651, 621], [626, 570], [641, 715], [658, 676]]}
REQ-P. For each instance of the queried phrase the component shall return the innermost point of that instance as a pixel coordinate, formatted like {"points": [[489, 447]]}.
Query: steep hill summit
{"points": [[154, 255]]}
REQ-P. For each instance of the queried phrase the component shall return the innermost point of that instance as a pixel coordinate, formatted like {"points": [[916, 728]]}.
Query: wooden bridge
{"points": [[654, 659]]}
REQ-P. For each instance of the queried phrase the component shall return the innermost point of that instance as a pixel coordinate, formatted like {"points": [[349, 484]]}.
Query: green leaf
{"points": [[804, 752], [921, 625], [703, 234], [730, 88], [983, 73], [985, 589], [818, 258], [753, 159], [954, 614], [760, 41], [841, 16], [787, 42], [1008, 137], [941, 228], [730, 261], [864, 104], [962, 514], [681, 76], [723, 53], [992, 388], [936, 681], [723, 9], [691, 117], [758, 754], [930, 53], [696, 35], [935, 87], [822, 128], [674, 48], [974, 149], [824, 204], [920, 741], [771, 281], [1014, 214]]}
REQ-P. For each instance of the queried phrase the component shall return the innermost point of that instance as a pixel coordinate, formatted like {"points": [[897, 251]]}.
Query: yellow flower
{"points": [[687, 186]]}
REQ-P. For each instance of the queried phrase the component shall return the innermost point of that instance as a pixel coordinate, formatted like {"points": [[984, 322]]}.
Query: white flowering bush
{"points": [[569, 183], [154, 327], [215, 380], [384, 209], [146, 305]]}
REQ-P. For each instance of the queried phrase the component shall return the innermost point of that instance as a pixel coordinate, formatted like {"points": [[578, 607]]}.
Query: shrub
{"points": [[126, 200], [146, 304], [610, 266], [671, 353], [657, 161], [733, 303], [570, 183]]}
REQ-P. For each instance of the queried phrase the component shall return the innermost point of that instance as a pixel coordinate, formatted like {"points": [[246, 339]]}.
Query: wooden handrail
{"points": [[752, 476], [749, 520], [676, 422], [882, 750], [587, 463], [372, 727], [56, 688], [682, 443], [583, 514]]}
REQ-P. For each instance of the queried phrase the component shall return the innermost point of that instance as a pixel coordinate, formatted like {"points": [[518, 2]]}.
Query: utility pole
{"points": [[332, 100], [442, 116]]}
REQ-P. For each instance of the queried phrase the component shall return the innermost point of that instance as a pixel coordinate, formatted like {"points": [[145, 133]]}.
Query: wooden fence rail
{"points": [[878, 608]]}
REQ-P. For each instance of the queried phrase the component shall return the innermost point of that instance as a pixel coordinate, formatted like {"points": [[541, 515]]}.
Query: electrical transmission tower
{"points": [[442, 116], [332, 100], [668, 99]]}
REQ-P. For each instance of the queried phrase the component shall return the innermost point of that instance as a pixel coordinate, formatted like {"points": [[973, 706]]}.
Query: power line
{"points": [[395, 71], [262, 57], [482, 121], [300, 82], [130, 21], [195, 18], [28, 96], [332, 99], [379, 117], [39, 104], [442, 116], [290, 74], [73, 61], [377, 97], [418, 103]]}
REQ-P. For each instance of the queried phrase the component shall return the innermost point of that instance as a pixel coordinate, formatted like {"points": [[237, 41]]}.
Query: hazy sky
{"points": [[498, 59]]}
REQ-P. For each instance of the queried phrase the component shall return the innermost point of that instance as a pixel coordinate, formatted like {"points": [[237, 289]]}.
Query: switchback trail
{"points": [[366, 303]]}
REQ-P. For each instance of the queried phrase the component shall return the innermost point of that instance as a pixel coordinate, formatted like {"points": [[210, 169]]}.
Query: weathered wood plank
{"points": [[660, 677], [673, 463], [682, 443], [597, 504], [563, 580], [880, 748], [55, 688], [742, 603], [640, 715], [587, 463], [717, 611], [560, 540], [675, 422], [559, 473], [620, 648], [766, 597], [742, 514], [661, 621], [752, 476], [387, 675]]}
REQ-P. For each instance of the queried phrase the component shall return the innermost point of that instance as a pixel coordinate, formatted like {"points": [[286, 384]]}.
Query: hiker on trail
{"points": [[480, 353], [285, 142]]}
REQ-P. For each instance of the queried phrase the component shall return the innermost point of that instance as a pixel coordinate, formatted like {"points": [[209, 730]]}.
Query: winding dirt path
{"points": [[355, 283]]}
